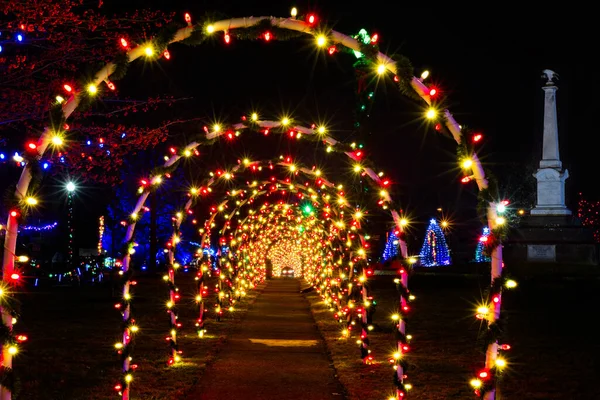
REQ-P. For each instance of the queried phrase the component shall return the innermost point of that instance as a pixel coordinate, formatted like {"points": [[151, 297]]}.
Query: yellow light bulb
{"points": [[500, 221], [285, 121], [59, 99], [22, 259], [500, 362], [210, 29], [92, 89], [321, 40], [468, 163], [381, 68], [216, 127], [395, 317], [148, 50], [425, 74], [483, 310], [57, 140], [321, 130], [294, 12], [128, 378], [187, 153], [511, 284], [31, 201], [254, 117], [169, 304], [134, 328], [431, 113], [118, 346], [12, 350], [357, 168], [476, 383]]}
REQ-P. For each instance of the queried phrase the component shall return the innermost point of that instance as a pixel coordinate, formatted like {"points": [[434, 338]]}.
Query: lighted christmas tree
{"points": [[391, 246], [480, 255], [435, 251]]}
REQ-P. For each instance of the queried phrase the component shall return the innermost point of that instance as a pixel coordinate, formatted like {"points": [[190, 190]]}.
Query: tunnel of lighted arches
{"points": [[294, 217]]}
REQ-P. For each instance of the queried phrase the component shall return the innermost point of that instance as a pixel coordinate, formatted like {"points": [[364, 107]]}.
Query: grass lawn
{"points": [[555, 353], [72, 331]]}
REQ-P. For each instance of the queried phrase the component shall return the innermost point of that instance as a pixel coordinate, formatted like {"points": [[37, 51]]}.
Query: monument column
{"points": [[550, 176]]}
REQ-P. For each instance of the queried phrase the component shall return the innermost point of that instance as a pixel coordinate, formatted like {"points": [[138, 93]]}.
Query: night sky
{"points": [[487, 60]]}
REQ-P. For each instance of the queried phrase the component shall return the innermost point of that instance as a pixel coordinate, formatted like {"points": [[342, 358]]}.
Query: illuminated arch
{"points": [[323, 37], [286, 163]]}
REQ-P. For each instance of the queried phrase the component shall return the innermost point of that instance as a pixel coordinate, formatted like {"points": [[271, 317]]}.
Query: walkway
{"points": [[277, 354]]}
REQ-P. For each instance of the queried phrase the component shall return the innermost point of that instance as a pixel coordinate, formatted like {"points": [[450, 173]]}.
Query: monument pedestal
{"points": [[551, 239], [551, 189]]}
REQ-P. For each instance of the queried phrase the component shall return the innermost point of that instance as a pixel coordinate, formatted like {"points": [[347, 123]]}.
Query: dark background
{"points": [[487, 60]]}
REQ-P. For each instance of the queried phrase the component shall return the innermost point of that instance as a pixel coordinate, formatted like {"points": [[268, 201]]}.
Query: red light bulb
{"points": [[332, 50], [15, 276], [188, 18], [166, 54], [228, 38], [68, 88], [124, 43], [466, 179], [267, 36], [477, 137], [312, 19], [432, 92]]}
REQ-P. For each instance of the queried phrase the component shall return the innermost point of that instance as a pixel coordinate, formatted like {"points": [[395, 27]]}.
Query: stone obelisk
{"points": [[550, 176]]}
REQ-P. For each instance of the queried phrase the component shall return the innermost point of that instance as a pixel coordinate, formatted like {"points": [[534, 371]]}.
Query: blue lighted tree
{"points": [[480, 255], [435, 251], [391, 246]]}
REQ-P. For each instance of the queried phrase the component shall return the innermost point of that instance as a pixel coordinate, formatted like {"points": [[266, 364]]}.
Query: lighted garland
{"points": [[221, 207], [364, 343], [197, 34], [287, 127]]}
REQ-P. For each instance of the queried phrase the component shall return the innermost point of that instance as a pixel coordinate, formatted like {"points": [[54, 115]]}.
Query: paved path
{"points": [[277, 354]]}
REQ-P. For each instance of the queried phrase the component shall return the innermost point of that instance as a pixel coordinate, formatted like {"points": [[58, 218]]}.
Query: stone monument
{"points": [[551, 234], [550, 176]]}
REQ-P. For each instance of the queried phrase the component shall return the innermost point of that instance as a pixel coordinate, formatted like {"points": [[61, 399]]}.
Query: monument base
{"points": [[551, 239], [550, 211]]}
